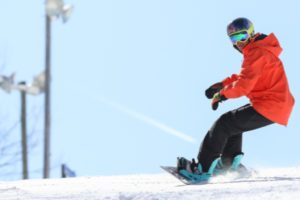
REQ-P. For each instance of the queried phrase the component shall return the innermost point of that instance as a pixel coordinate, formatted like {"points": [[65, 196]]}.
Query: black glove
{"points": [[213, 90], [217, 98]]}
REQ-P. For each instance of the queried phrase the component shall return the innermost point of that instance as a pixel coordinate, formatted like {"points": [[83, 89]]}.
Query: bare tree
{"points": [[10, 146], [9, 149]]}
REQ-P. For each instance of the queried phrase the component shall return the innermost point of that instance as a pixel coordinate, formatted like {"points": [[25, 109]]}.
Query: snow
{"points": [[276, 184]]}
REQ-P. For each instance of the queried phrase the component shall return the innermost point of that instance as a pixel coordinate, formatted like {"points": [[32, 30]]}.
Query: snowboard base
{"points": [[242, 176]]}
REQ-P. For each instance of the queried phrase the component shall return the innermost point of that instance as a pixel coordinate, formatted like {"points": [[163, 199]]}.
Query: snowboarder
{"points": [[263, 80]]}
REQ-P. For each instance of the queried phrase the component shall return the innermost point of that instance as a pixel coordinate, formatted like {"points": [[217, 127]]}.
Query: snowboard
{"points": [[238, 177]]}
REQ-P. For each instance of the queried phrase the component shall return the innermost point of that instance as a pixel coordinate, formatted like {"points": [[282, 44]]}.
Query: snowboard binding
{"points": [[193, 172]]}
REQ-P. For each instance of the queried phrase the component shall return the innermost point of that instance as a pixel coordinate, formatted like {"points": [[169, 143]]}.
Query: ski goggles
{"points": [[239, 37]]}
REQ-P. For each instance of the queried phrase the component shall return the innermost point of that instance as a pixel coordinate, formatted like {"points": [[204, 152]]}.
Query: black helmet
{"points": [[240, 25]]}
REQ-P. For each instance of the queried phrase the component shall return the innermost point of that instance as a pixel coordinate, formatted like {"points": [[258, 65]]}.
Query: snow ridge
{"points": [[267, 184]]}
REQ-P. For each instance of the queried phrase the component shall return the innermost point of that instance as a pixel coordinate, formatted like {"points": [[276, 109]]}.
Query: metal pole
{"points": [[63, 174], [47, 100], [24, 134]]}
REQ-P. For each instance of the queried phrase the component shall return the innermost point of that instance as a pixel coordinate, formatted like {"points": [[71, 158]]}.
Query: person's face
{"points": [[242, 44], [240, 39]]}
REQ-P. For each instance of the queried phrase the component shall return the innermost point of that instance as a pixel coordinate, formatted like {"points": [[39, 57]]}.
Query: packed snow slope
{"points": [[267, 184]]}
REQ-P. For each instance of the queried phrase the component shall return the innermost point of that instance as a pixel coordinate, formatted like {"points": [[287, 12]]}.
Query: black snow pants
{"points": [[225, 136]]}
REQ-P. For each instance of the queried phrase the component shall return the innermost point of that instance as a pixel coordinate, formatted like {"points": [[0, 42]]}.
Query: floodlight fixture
{"points": [[57, 8], [35, 88], [66, 12], [7, 82], [39, 81]]}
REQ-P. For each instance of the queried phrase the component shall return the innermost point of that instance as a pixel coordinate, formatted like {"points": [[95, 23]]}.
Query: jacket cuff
{"points": [[223, 97]]}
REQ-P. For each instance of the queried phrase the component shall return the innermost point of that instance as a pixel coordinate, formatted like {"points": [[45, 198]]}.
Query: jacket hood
{"points": [[269, 43]]}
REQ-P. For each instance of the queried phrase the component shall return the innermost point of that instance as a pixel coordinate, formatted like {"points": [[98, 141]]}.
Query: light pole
{"points": [[37, 87], [24, 132], [47, 100], [54, 9]]}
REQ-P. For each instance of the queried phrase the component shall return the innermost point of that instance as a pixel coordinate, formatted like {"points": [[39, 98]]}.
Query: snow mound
{"points": [[276, 184]]}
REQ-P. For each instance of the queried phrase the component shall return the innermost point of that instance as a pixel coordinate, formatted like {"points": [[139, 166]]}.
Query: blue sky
{"points": [[126, 74]]}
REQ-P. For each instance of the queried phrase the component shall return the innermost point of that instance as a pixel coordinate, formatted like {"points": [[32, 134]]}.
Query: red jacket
{"points": [[262, 79]]}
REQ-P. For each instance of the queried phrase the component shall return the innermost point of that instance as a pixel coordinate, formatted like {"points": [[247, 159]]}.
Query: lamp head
{"points": [[6, 83], [57, 8], [67, 12]]}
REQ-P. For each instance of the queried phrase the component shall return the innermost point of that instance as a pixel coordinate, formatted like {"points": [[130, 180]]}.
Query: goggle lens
{"points": [[239, 37]]}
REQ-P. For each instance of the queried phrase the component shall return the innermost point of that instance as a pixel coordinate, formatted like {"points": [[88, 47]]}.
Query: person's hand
{"points": [[213, 90], [217, 98]]}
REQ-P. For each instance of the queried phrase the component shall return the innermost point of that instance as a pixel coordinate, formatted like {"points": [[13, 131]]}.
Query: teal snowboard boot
{"points": [[235, 166], [193, 172]]}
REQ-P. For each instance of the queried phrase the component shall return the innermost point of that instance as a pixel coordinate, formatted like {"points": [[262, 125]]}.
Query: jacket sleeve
{"points": [[251, 70], [230, 79]]}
